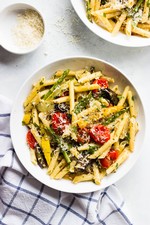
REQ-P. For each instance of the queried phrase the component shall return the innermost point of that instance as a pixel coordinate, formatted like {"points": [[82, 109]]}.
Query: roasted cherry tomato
{"points": [[103, 83], [31, 140], [59, 122], [113, 154], [100, 134], [110, 158], [83, 135], [105, 162]]}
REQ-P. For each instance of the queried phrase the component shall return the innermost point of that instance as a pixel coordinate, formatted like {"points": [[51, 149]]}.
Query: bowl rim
{"points": [[97, 187], [88, 24], [29, 6]]}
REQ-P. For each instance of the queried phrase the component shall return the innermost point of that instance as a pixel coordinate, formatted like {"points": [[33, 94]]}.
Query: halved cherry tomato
{"points": [[110, 158], [59, 122], [83, 135], [103, 83], [105, 162], [31, 140], [100, 133], [113, 154]]}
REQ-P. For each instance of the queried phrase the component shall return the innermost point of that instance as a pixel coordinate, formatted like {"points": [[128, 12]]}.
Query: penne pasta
{"points": [[124, 96], [83, 177], [76, 125], [119, 23], [131, 104], [129, 17]]}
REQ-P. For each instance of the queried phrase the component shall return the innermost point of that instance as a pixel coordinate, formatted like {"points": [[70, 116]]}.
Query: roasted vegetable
{"points": [[40, 157], [56, 85], [61, 144], [62, 107], [107, 93]]}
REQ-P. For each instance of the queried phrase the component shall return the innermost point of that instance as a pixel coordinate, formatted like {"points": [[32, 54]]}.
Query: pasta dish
{"points": [[128, 16], [81, 127]]}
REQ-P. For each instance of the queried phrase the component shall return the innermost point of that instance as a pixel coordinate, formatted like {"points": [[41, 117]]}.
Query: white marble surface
{"points": [[67, 36]]}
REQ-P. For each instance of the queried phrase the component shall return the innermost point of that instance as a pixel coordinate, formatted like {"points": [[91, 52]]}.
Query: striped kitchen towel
{"points": [[24, 200]]}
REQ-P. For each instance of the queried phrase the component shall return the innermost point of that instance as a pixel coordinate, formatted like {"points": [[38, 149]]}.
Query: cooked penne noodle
{"points": [[128, 27], [83, 177], [120, 126], [53, 162], [71, 96], [90, 77], [132, 133], [131, 104], [86, 88], [62, 99], [106, 23], [72, 166], [141, 32], [124, 96], [34, 91], [112, 15], [96, 173], [58, 168], [119, 23], [62, 173], [97, 5]]}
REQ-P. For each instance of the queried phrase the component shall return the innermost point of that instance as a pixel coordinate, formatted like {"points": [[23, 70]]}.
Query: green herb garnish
{"points": [[83, 103]]}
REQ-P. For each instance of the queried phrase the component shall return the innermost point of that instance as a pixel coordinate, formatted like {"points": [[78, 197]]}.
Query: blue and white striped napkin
{"points": [[24, 200]]}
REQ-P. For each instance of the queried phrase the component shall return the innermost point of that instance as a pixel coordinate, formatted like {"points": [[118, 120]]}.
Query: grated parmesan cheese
{"points": [[29, 29]]}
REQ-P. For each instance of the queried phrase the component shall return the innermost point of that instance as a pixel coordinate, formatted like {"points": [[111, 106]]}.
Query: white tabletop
{"points": [[68, 36]]}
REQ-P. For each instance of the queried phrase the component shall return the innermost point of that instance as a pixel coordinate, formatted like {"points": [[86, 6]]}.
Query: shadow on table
{"points": [[6, 56]]}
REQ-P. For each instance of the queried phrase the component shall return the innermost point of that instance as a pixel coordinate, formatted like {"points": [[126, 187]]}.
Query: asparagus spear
{"points": [[83, 103], [88, 10], [115, 116], [56, 85], [136, 8], [61, 144]]}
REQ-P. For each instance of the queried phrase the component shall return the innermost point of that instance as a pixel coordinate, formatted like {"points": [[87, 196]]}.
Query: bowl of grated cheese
{"points": [[22, 28]]}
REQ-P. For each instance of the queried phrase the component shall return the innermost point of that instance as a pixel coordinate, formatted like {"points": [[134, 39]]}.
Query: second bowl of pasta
{"points": [[124, 23], [80, 123]]}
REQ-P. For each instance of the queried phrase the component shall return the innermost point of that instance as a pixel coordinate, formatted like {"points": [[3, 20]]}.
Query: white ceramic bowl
{"points": [[18, 132], [8, 22], [119, 39]]}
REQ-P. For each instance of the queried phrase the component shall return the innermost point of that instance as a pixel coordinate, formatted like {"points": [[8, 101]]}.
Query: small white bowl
{"points": [[119, 39], [18, 132], [9, 19]]}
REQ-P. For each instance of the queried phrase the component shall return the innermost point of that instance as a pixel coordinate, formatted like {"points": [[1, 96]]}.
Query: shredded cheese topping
{"points": [[29, 29]]}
